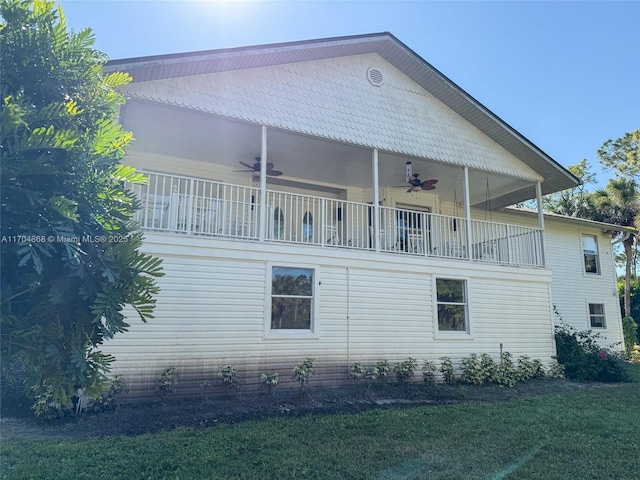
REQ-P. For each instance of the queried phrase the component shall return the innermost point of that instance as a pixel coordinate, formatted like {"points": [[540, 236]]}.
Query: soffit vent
{"points": [[375, 76]]}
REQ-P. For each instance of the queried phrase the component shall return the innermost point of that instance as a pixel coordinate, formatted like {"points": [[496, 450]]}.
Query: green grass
{"points": [[581, 434]]}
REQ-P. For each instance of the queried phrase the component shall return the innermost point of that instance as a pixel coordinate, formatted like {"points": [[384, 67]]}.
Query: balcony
{"points": [[195, 206]]}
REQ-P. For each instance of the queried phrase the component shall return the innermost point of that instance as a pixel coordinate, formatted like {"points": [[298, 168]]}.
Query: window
{"points": [[451, 298], [278, 223], [292, 298], [596, 315], [590, 251], [307, 227]]}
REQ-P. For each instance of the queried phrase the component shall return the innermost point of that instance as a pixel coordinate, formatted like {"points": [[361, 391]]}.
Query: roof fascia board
{"points": [[272, 54]]}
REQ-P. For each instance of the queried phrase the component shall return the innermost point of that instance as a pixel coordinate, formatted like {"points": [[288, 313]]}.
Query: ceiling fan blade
{"points": [[250, 167], [274, 173], [429, 184]]}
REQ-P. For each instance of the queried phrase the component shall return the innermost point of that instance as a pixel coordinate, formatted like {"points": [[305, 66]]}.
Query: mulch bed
{"points": [[137, 419]]}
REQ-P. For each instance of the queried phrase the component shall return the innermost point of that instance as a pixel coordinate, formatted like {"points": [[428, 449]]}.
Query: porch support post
{"points": [[467, 212], [540, 221], [376, 201], [263, 186]]}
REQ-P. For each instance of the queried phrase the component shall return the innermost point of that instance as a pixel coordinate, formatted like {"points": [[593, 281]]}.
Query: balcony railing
{"points": [[203, 207]]}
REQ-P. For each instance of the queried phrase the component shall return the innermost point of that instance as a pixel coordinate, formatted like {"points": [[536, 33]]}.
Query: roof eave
{"points": [[556, 177], [605, 227]]}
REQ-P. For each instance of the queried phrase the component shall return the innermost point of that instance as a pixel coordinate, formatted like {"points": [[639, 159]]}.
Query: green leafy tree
{"points": [[70, 259], [622, 154]]}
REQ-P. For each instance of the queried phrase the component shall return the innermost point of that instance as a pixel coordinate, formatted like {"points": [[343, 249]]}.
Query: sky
{"points": [[566, 75]]}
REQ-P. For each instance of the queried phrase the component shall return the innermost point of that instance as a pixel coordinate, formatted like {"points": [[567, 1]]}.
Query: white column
{"points": [[540, 221], [467, 212], [263, 186], [376, 201]]}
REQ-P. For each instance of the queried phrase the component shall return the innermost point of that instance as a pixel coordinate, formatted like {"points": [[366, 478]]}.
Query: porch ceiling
{"points": [[182, 133]]}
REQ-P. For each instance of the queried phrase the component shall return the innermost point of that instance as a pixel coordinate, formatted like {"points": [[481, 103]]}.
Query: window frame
{"points": [[286, 333], [584, 254], [467, 333], [591, 315]]}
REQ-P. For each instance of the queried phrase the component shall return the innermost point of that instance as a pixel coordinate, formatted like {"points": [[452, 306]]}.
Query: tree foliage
{"points": [[634, 289], [574, 202], [70, 254], [622, 154], [619, 204]]}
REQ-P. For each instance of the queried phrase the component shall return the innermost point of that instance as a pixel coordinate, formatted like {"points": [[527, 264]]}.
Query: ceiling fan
{"points": [[416, 183], [256, 168], [413, 179]]}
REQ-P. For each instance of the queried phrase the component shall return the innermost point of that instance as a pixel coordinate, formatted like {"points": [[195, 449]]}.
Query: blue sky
{"points": [[564, 74]]}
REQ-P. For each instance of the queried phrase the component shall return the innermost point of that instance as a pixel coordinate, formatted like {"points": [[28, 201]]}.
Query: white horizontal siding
{"points": [[390, 312], [572, 288], [211, 312]]}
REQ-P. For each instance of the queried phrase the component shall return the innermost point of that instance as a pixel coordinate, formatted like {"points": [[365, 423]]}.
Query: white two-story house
{"points": [[342, 199]]}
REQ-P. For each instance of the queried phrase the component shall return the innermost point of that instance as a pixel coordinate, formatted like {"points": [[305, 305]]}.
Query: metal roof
{"points": [[159, 67]]}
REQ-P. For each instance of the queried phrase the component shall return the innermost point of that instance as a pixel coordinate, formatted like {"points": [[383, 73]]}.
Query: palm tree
{"points": [[619, 204], [574, 202]]}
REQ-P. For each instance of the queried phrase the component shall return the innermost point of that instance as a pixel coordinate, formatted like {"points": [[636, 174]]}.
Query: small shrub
{"points": [[16, 398], [447, 370], [429, 372], [357, 371], [538, 369], [270, 381], [229, 377], [506, 374], [585, 360], [488, 367], [529, 368], [405, 370], [167, 382], [303, 372], [371, 373], [555, 369], [205, 386], [382, 370], [110, 400], [635, 354], [471, 369]]}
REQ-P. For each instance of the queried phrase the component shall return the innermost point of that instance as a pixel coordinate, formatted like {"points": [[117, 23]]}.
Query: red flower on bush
{"points": [[602, 355]]}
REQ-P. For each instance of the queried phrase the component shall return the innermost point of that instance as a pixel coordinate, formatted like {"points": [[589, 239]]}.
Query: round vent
{"points": [[375, 76]]}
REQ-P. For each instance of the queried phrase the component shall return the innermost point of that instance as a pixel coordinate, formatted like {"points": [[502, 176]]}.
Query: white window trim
{"points": [[285, 334], [598, 255], [604, 314], [451, 335]]}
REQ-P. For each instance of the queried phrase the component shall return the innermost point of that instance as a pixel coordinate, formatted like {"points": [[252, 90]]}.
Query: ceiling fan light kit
{"points": [[413, 179]]}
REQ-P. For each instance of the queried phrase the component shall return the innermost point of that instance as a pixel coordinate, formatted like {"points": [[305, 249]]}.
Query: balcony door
{"points": [[413, 232]]}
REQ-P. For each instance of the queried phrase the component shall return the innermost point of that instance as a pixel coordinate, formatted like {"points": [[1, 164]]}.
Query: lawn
{"points": [[581, 433]]}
